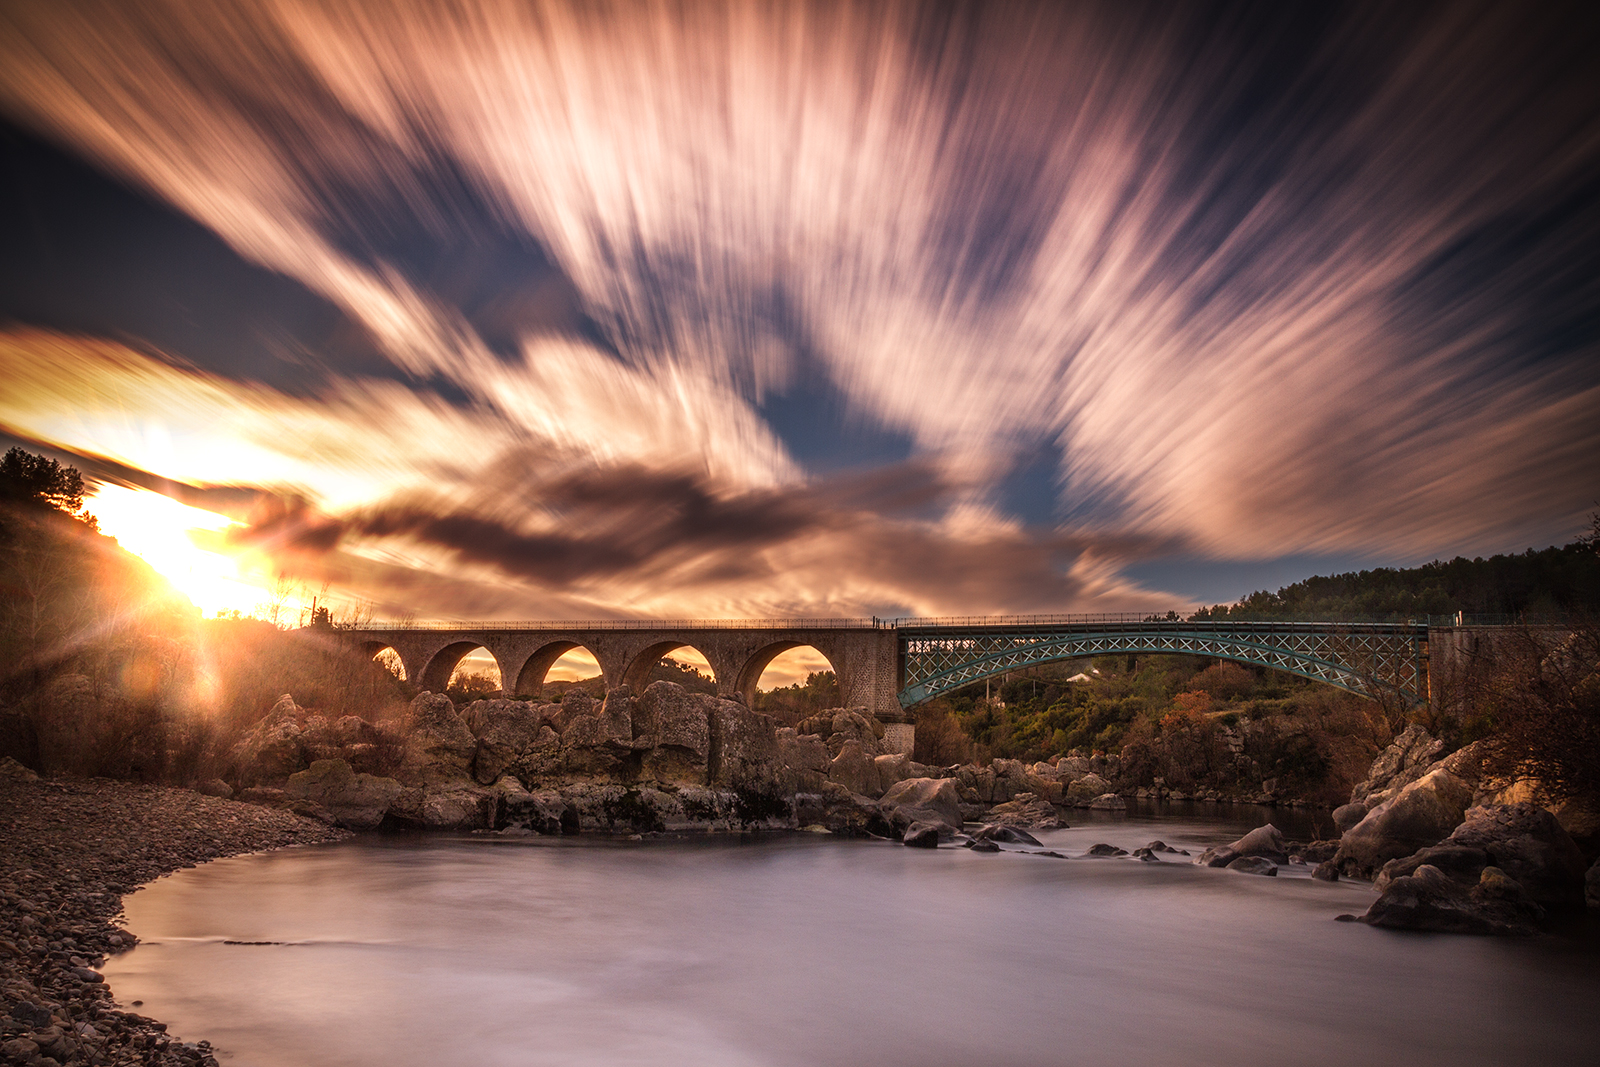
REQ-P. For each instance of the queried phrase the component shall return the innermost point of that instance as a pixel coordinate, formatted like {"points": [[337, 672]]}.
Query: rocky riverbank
{"points": [[69, 851]]}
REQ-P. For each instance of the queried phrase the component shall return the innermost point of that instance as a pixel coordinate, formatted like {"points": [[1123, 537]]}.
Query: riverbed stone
{"points": [[1104, 849], [1002, 833], [1029, 810], [1108, 802], [1254, 865], [922, 835], [1266, 842]]}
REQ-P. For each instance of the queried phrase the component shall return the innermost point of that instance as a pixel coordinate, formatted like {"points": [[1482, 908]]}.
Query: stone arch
{"points": [[530, 679], [436, 675], [373, 649], [758, 661], [637, 674]]}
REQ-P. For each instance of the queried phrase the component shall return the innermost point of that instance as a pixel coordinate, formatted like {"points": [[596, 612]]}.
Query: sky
{"points": [[551, 310]]}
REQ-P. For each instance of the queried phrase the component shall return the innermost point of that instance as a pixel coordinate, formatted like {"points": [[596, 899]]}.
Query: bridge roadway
{"points": [[891, 666]]}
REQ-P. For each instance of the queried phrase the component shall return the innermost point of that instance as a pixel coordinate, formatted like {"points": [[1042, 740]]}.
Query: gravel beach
{"points": [[69, 850]]}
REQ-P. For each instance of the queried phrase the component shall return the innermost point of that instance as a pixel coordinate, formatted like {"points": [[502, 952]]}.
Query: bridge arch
{"points": [[531, 677], [435, 677], [637, 674], [756, 664], [1369, 664], [394, 662]]}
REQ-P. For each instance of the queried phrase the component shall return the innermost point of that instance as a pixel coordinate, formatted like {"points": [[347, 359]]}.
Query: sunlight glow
{"points": [[792, 668], [158, 530]]}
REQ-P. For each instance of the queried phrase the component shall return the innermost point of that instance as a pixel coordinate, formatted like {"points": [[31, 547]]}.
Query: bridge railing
{"points": [[638, 624]]}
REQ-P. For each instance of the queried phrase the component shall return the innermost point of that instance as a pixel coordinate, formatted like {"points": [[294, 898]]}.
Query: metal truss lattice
{"points": [[1372, 660]]}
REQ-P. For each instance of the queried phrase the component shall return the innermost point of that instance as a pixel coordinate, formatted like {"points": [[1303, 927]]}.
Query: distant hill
{"points": [[1551, 580]]}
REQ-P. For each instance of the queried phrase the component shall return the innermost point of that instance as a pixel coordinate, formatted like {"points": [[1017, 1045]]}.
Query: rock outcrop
{"points": [[356, 801], [1264, 842], [440, 747]]}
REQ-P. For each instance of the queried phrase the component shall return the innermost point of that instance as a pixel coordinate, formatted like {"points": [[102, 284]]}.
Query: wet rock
{"points": [[930, 800], [1029, 810], [1105, 850], [1459, 862], [1429, 899], [356, 801], [1327, 871], [1147, 855], [922, 835], [1319, 851], [1254, 865], [1006, 835], [1266, 842], [983, 846], [842, 812], [1108, 802]]}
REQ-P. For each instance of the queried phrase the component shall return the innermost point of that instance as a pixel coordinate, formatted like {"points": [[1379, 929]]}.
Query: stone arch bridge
{"points": [[891, 666]]}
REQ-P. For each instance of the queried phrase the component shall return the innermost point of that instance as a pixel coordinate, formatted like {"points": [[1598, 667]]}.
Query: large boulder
{"points": [[441, 747], [856, 770], [1429, 899], [842, 812], [457, 805], [1254, 865], [1462, 864], [673, 727], [744, 749], [506, 729], [930, 800], [1529, 845], [1264, 842], [1421, 814], [838, 726], [356, 801], [803, 761], [272, 750]]}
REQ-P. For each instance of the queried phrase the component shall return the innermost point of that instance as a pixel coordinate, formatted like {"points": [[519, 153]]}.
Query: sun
{"points": [[159, 530]]}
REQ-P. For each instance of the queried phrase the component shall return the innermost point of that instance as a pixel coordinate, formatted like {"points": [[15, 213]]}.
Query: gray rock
{"points": [[1422, 814], [1254, 865], [1147, 855], [744, 749], [922, 835], [1086, 789], [1108, 802], [506, 730], [1327, 871], [855, 769], [1266, 842], [1460, 862], [983, 846], [1406, 759], [1105, 850], [440, 747], [932, 800]]}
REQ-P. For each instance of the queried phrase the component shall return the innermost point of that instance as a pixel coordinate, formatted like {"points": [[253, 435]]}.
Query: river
{"points": [[807, 950]]}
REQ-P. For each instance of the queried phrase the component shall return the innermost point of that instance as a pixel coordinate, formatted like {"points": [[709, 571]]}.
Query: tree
{"points": [[29, 479]]}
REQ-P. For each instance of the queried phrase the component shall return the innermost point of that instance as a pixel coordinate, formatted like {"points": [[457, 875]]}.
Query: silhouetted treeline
{"points": [[1547, 581]]}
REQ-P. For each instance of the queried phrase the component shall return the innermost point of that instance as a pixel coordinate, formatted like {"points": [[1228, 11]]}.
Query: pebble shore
{"points": [[69, 851]]}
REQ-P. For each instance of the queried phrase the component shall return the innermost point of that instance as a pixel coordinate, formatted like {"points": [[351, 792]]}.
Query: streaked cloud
{"points": [[1269, 282]]}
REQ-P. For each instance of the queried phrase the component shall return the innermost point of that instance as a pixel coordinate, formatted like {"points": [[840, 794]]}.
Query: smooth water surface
{"points": [[808, 950]]}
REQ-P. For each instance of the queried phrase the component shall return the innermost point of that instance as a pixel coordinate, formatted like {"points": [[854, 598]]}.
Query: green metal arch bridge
{"points": [[1381, 660]]}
